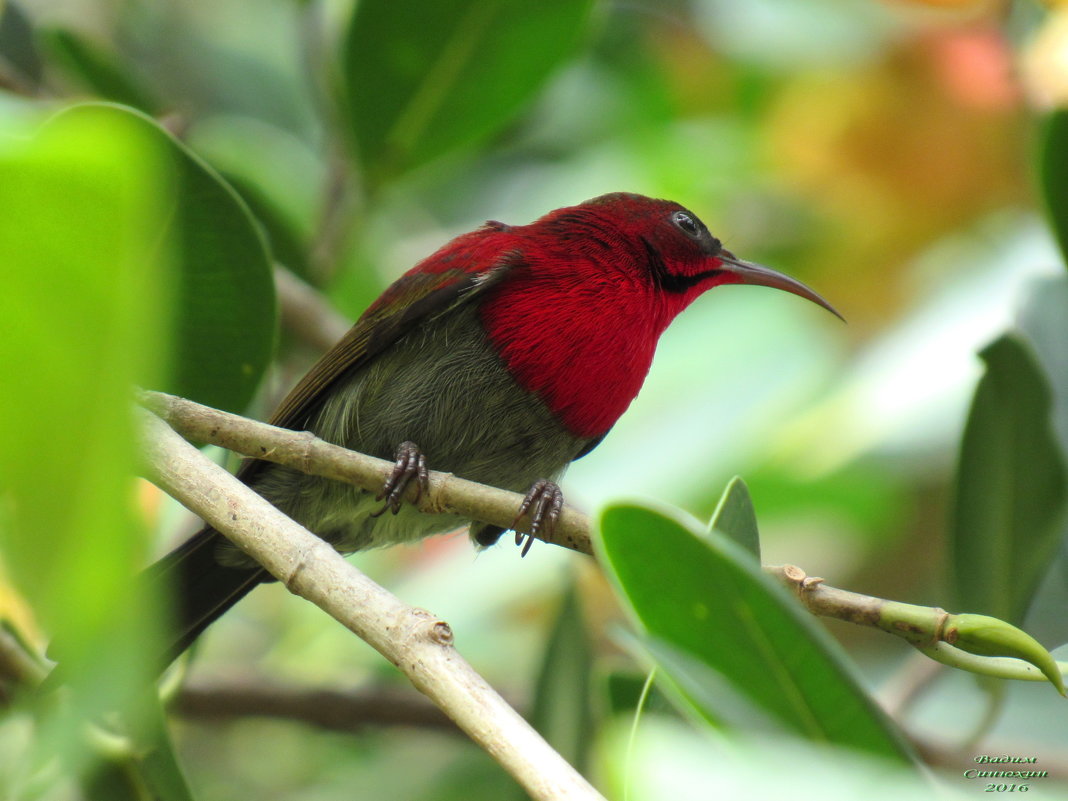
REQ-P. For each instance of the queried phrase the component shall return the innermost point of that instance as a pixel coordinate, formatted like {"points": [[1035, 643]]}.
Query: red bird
{"points": [[503, 357]]}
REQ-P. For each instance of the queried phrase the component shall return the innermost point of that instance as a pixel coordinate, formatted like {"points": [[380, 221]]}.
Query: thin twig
{"points": [[412, 639], [929, 629], [328, 709]]}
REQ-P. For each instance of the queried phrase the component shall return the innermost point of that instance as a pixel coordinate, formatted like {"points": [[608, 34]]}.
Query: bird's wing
{"points": [[414, 297]]}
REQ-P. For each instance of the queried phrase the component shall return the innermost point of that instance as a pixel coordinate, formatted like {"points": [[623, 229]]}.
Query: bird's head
{"points": [[672, 248]]}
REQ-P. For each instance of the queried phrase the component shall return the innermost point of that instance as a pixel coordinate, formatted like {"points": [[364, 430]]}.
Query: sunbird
{"points": [[502, 357]]}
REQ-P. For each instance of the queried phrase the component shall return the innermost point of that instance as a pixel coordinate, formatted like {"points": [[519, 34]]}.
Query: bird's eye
{"points": [[687, 223]]}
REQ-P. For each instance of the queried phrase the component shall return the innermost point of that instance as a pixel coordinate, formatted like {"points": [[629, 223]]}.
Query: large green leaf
{"points": [[446, 72], [1011, 487], [223, 319], [84, 204], [705, 596], [1053, 173]]}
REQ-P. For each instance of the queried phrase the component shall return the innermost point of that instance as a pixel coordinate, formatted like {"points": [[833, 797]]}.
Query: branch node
{"points": [[940, 633], [433, 500], [292, 581], [306, 450], [441, 633]]}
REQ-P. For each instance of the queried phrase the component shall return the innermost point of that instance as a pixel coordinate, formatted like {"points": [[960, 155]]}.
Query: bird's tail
{"points": [[202, 588]]}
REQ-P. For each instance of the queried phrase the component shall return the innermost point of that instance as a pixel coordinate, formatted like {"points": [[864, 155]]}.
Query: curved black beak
{"points": [[757, 274]]}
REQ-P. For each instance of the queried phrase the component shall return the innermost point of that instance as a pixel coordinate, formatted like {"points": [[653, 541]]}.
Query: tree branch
{"points": [[305, 452], [923, 627], [412, 639]]}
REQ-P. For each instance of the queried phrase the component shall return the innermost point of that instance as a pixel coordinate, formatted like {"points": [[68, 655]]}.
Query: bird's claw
{"points": [[410, 463], [543, 503]]}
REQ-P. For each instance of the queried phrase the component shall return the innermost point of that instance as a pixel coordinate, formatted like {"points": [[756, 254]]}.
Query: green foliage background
{"points": [[157, 161]]}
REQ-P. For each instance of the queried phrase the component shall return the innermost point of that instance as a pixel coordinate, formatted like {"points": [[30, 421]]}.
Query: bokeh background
{"points": [[883, 152]]}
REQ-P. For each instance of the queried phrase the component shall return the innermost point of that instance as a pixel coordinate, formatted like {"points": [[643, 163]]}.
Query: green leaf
{"points": [[624, 690], [447, 72], [1053, 173], [137, 759], [562, 711], [705, 596], [1011, 487], [97, 69], [224, 317], [157, 763], [735, 517], [1043, 319], [17, 46], [82, 308]]}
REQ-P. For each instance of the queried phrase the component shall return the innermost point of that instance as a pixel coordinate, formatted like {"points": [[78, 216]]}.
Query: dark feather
{"points": [[206, 588], [411, 299]]}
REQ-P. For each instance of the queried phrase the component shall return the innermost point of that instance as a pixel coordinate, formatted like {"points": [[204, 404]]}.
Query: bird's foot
{"points": [[543, 503], [410, 464]]}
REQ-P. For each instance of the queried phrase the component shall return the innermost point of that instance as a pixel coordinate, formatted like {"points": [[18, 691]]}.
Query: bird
{"points": [[502, 357]]}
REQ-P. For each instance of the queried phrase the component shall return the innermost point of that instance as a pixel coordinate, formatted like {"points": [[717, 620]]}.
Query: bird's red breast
{"points": [[578, 323]]}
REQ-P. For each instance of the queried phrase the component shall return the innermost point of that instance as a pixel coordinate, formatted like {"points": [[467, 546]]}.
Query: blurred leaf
{"points": [[471, 776], [224, 310], [97, 69], [112, 780], [1053, 173], [624, 691], [735, 517], [156, 760], [562, 712], [704, 595], [79, 240], [275, 166], [1043, 319], [138, 762], [1011, 487], [17, 44], [447, 72], [669, 760]]}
